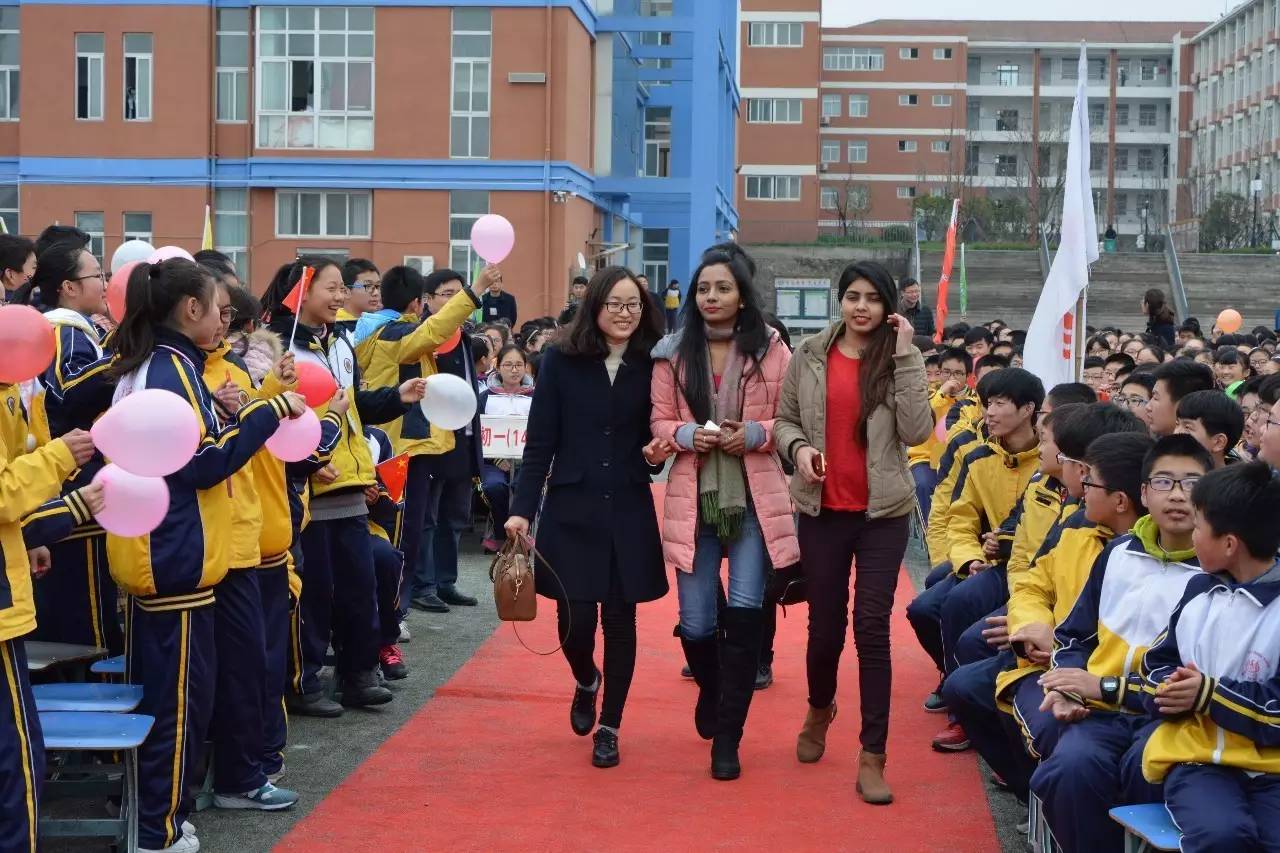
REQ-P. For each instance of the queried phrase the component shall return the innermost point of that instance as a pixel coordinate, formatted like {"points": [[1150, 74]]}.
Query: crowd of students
{"points": [[1100, 608]]}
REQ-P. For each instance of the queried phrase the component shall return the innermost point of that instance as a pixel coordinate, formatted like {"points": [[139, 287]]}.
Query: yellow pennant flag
{"points": [[207, 241]]}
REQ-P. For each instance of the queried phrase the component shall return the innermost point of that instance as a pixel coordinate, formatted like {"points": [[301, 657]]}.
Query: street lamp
{"points": [[1256, 186], [1145, 212]]}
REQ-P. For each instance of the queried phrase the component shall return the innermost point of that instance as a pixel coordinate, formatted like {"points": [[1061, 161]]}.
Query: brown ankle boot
{"points": [[871, 784], [812, 741]]}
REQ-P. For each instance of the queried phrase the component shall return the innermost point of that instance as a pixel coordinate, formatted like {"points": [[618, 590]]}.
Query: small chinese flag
{"points": [[299, 292], [395, 473]]}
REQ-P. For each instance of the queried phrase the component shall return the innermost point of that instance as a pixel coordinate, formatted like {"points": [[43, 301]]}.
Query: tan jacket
{"points": [[903, 420]]}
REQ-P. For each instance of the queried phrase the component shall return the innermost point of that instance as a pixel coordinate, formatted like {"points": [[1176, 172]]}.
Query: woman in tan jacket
{"points": [[854, 399]]}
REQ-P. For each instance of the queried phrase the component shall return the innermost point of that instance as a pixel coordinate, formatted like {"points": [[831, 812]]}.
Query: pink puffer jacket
{"points": [[765, 480]]}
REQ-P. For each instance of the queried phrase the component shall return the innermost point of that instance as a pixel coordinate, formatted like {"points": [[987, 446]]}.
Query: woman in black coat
{"points": [[589, 431]]}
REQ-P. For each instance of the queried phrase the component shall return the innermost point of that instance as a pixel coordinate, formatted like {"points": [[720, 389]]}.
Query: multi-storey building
{"points": [[380, 131], [912, 108]]}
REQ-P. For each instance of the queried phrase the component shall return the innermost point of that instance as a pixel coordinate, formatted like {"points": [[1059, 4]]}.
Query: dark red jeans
{"points": [[829, 544]]}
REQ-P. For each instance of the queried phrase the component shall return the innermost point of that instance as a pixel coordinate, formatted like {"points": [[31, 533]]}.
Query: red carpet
{"points": [[491, 764]]}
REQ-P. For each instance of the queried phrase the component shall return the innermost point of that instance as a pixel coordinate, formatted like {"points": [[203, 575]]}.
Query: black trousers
{"points": [[77, 601], [577, 621], [339, 598], [22, 760]]}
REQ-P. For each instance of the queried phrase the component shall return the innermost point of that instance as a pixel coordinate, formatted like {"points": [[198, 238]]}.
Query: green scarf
{"points": [[722, 481]]}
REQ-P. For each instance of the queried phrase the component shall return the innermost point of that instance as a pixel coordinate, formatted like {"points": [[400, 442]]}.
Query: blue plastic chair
{"points": [[97, 731], [1147, 827], [110, 698], [108, 666]]}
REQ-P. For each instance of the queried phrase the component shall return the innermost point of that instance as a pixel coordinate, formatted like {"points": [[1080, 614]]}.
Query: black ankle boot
{"points": [[605, 752], [739, 654], [582, 713], [703, 661]]}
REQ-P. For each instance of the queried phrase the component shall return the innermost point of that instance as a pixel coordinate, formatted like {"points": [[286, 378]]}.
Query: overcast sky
{"points": [[844, 13]]}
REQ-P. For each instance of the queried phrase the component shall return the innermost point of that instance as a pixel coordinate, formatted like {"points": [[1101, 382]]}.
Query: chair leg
{"points": [[129, 800]]}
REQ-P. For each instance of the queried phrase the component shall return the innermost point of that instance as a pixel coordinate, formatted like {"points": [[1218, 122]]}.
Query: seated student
{"points": [[1213, 419], [1094, 373], [978, 342], [954, 366], [1173, 381], [1042, 596], [508, 392], [1212, 679], [932, 371], [1124, 606]]}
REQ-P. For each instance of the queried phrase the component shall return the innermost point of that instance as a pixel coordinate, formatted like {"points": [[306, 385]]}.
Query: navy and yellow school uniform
{"points": [[170, 575], [1124, 606], [959, 442], [385, 528], [26, 480]]}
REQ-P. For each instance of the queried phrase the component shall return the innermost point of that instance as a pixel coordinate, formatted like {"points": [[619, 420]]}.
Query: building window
{"points": [[306, 213], [231, 227], [908, 100], [773, 188], [137, 226], [858, 151], [465, 207], [10, 56], [655, 255], [89, 59], [1007, 165], [656, 8], [1097, 115], [232, 60], [940, 146], [830, 198], [1007, 120], [1007, 74], [1146, 115], [906, 192], [773, 110], [942, 53], [138, 64], [775, 34], [1122, 159], [942, 100], [908, 53], [1122, 115], [472, 60], [9, 207], [831, 106], [830, 151], [315, 77], [91, 223], [657, 142], [1149, 70], [1146, 160], [859, 106], [907, 146], [853, 59], [1122, 204]]}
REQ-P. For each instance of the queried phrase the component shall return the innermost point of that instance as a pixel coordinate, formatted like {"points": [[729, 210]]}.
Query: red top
{"points": [[715, 378], [846, 485]]}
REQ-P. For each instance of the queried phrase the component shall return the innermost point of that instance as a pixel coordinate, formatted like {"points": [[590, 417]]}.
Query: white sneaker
{"points": [[405, 636], [188, 828], [185, 844], [277, 776]]}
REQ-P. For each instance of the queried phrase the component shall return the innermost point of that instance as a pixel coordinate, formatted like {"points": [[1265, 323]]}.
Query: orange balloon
{"points": [[116, 288], [1230, 320], [26, 339], [450, 343]]}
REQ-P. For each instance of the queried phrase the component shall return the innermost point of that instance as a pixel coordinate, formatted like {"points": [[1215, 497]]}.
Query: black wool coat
{"points": [[585, 441]]}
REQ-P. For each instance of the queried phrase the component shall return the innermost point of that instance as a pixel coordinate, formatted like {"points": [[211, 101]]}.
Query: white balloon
{"points": [[450, 403], [130, 251]]}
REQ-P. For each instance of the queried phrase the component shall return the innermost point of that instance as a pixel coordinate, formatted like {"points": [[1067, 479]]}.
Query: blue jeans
{"points": [[699, 589]]}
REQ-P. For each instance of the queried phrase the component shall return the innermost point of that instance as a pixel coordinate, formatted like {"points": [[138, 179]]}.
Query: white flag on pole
{"points": [[1049, 350]]}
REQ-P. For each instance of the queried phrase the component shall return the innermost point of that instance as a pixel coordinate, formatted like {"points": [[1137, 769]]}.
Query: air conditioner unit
{"points": [[825, 121], [822, 167]]}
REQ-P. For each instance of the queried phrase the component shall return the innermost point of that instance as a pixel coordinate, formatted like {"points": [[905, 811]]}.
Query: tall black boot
{"points": [[701, 655], [739, 657]]}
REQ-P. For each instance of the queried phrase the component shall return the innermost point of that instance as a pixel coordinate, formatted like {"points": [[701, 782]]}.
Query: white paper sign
{"points": [[503, 436]]}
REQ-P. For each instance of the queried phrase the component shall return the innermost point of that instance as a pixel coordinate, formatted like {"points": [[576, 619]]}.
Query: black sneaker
{"points": [[360, 690], [605, 753], [312, 705], [450, 595], [429, 602], [934, 703], [764, 676], [582, 713], [686, 672]]}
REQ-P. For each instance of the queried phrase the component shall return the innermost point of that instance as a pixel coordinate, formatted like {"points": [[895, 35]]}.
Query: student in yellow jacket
{"points": [[26, 480], [170, 573], [338, 590], [923, 458]]}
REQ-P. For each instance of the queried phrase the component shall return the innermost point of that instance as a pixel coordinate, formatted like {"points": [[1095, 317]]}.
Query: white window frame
{"points": [[908, 100], [830, 146], [829, 198], [425, 264], [831, 106], [857, 150], [777, 187], [1151, 110], [95, 65], [859, 106], [10, 212], [907, 192], [143, 234], [655, 256], [324, 197], [942, 53], [234, 77], [909, 53], [940, 146], [232, 203], [97, 236], [853, 59], [475, 117], [942, 100], [906, 146], [315, 117], [460, 245], [769, 110], [657, 150], [10, 92], [144, 64], [775, 34]]}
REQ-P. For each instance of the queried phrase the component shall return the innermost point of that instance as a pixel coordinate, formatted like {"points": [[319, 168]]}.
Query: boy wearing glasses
{"points": [[1123, 608], [1213, 419]]}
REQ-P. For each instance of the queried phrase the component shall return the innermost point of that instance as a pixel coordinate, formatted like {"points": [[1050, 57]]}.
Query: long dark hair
{"points": [[583, 336], [286, 277], [750, 333], [59, 263], [153, 293], [876, 370], [1158, 310]]}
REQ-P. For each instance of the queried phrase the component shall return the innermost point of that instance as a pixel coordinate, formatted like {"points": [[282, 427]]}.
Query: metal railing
{"points": [[1175, 277]]}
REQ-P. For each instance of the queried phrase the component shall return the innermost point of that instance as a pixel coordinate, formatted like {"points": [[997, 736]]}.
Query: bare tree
{"points": [[852, 202]]}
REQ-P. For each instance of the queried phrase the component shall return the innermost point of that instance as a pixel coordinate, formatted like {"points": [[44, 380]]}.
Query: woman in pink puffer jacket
{"points": [[716, 384]]}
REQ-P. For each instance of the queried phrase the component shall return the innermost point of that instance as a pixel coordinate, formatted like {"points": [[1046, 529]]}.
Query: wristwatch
{"points": [[1110, 688]]}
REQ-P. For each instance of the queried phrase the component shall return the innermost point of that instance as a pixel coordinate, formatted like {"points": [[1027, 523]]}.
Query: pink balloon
{"points": [[150, 433], [493, 237], [296, 438], [135, 505], [26, 341], [164, 253], [116, 288]]}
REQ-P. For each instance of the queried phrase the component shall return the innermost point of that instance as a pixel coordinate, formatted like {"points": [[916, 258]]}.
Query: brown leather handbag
{"points": [[512, 576]]}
